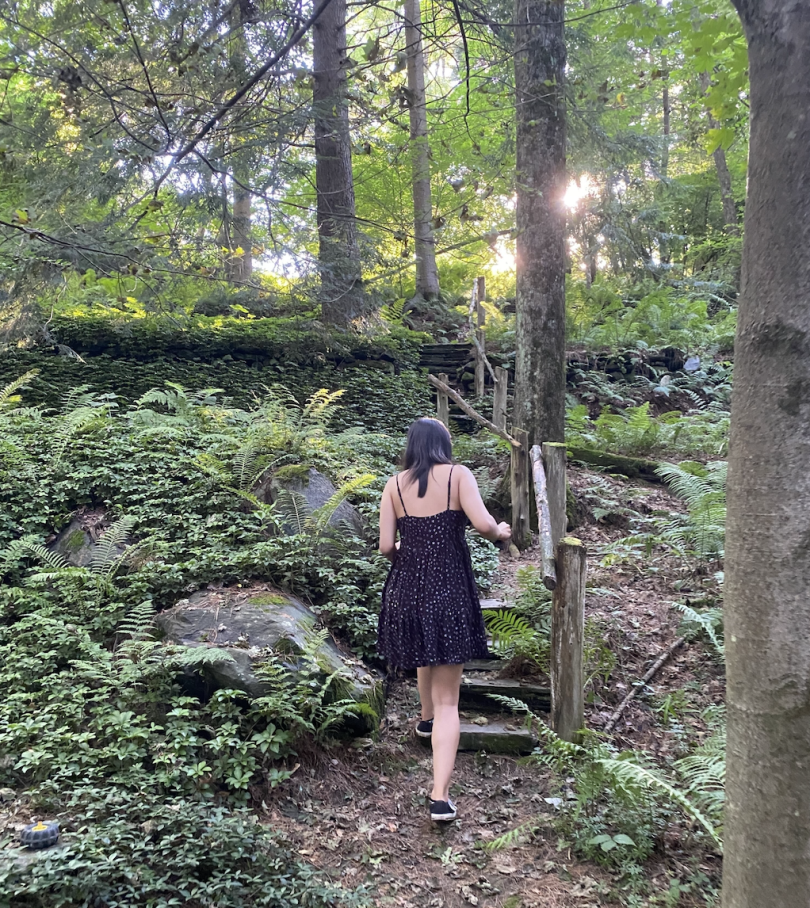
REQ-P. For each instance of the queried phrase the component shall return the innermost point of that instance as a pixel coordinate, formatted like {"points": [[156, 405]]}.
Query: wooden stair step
{"points": [[484, 665], [495, 604], [496, 738], [475, 693]]}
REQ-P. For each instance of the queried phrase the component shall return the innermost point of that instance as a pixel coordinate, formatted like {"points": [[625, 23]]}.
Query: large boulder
{"points": [[248, 624], [316, 490]]}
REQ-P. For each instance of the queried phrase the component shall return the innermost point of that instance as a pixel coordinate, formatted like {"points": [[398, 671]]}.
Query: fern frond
{"points": [[320, 518], [138, 622], [708, 621], [292, 509], [8, 394], [512, 837], [105, 557], [31, 547], [507, 627], [631, 775]]}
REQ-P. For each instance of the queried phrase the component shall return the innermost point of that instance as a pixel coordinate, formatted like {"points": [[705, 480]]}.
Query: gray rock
{"points": [[6, 795], [316, 489], [76, 543], [245, 624]]}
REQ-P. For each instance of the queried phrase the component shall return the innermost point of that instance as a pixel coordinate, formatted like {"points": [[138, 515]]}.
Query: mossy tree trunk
{"points": [[540, 354], [767, 826]]}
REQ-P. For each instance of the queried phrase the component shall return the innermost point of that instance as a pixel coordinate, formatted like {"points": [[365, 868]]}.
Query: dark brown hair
{"points": [[429, 443]]}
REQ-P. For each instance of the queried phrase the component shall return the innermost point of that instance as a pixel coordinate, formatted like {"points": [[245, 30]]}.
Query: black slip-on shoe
{"points": [[425, 728], [442, 811]]}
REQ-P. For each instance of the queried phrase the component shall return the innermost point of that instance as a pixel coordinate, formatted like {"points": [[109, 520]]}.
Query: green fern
{"points": [[709, 622], [513, 836], [508, 628], [105, 557], [703, 488], [319, 519], [630, 774], [8, 395]]}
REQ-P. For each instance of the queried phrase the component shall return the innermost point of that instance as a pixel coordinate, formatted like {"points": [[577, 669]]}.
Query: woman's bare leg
{"points": [[424, 681], [445, 684]]}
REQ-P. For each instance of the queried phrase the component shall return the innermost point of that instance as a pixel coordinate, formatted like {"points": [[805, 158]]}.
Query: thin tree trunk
{"points": [[540, 355], [767, 820], [723, 174], [338, 252], [240, 264], [427, 275]]}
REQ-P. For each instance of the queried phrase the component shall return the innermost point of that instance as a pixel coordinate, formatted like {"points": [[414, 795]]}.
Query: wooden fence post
{"points": [[554, 463], [520, 473], [482, 295], [567, 631], [481, 319], [499, 404], [443, 402]]}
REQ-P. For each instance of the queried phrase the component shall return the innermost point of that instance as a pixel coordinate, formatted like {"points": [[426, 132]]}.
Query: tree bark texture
{"points": [[540, 356], [767, 605], [427, 274], [338, 252]]}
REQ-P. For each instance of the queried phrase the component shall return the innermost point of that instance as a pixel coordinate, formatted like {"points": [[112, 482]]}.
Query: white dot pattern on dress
{"points": [[431, 613]]}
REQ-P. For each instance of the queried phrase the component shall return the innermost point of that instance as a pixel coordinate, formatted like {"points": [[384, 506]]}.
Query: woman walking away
{"points": [[431, 615]]}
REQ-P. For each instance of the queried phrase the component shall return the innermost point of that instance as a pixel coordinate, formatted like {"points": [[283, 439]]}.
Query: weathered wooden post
{"points": [[443, 402], [481, 320], [521, 526], [499, 404], [567, 631], [554, 463]]}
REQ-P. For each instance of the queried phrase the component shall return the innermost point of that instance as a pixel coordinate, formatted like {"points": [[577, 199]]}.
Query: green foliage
{"points": [[703, 487], [622, 802], [374, 398], [118, 842]]}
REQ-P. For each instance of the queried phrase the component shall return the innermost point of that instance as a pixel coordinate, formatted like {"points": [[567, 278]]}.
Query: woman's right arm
{"points": [[473, 506]]}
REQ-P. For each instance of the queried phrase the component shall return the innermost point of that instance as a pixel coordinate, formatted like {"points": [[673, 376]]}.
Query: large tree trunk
{"points": [[767, 827], [427, 275], [723, 174], [338, 253], [540, 355]]}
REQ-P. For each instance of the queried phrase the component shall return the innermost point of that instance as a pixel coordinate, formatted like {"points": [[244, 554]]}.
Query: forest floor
{"points": [[360, 814]]}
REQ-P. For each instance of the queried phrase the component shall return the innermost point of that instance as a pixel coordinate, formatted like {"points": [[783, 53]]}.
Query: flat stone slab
{"points": [[496, 738], [475, 693]]}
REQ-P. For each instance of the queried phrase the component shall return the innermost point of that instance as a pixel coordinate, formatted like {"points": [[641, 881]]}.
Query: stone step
{"points": [[475, 693], [496, 738]]}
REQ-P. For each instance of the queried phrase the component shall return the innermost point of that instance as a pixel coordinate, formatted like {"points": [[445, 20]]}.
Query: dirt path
{"points": [[360, 813]]}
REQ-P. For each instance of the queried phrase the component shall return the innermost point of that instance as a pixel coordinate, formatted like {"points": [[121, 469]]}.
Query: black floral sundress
{"points": [[431, 614]]}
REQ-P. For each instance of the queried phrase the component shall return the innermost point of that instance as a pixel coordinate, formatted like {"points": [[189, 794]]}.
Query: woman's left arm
{"points": [[388, 524]]}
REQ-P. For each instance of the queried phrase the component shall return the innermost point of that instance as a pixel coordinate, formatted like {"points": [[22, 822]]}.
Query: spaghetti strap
{"points": [[449, 487], [400, 495]]}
